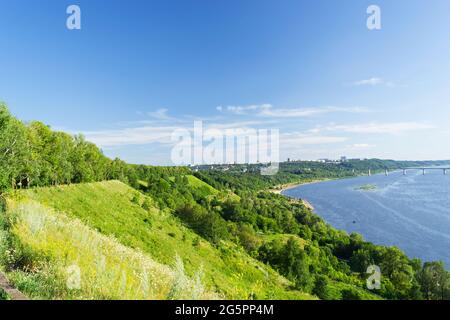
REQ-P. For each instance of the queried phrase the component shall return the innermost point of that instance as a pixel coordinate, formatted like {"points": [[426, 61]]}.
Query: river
{"points": [[411, 212]]}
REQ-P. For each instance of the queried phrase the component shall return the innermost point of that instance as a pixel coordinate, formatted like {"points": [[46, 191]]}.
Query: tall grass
{"points": [[116, 210], [78, 262]]}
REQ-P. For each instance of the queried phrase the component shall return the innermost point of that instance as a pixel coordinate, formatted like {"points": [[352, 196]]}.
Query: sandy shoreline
{"points": [[284, 187]]}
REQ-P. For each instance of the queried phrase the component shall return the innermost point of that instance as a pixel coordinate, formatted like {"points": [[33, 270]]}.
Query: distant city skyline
{"points": [[137, 71]]}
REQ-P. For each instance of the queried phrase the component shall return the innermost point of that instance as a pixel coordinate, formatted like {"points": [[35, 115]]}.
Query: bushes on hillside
{"points": [[207, 224], [322, 287], [351, 294], [290, 259], [434, 281]]}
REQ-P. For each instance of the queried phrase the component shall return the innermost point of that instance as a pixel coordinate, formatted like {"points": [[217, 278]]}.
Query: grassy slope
{"points": [[115, 210], [76, 262], [196, 183], [285, 238]]}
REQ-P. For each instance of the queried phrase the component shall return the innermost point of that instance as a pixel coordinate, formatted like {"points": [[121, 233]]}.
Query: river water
{"points": [[411, 212]]}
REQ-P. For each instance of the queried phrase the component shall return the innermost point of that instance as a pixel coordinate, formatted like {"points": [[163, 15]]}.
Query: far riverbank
{"points": [[284, 187], [281, 188]]}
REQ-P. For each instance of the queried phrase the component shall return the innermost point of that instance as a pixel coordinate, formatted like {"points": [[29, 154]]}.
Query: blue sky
{"points": [[139, 69]]}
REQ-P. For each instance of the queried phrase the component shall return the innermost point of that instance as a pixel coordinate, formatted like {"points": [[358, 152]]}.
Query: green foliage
{"points": [[34, 155], [290, 259], [322, 287], [15, 156], [108, 207], [248, 238], [351, 294], [258, 221], [3, 295], [207, 224], [434, 281]]}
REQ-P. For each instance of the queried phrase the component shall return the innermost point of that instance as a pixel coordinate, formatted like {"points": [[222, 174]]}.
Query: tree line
{"points": [[33, 155]]}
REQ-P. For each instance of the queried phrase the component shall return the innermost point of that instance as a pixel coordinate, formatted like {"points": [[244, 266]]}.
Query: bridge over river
{"points": [[423, 169]]}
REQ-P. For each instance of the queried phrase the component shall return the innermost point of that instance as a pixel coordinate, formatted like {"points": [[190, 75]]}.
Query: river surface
{"points": [[411, 212]]}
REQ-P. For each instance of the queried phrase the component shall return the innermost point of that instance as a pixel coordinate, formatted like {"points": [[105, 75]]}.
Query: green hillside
{"points": [[208, 190], [126, 221], [199, 184], [72, 261]]}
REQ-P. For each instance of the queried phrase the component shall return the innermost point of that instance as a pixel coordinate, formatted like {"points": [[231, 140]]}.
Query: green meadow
{"points": [[126, 248]]}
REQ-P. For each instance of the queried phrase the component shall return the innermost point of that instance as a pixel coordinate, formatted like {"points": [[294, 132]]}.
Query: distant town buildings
{"points": [[341, 160], [255, 167]]}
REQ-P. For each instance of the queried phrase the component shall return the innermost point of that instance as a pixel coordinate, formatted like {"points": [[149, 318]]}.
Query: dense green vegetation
{"points": [[316, 257], [130, 217], [33, 155], [3, 295], [226, 222]]}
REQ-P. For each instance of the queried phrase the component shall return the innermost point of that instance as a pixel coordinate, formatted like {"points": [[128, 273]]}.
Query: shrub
{"points": [[207, 224], [351, 294], [321, 287], [3, 295]]}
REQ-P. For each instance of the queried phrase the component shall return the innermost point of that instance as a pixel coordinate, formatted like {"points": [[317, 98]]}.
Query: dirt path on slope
{"points": [[12, 292]]}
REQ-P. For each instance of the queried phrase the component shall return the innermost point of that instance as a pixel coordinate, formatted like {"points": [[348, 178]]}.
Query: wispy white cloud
{"points": [[158, 132], [267, 110], [242, 110], [361, 146], [130, 136], [235, 124], [158, 128], [369, 82], [375, 81], [161, 114], [377, 128], [295, 139], [307, 112]]}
